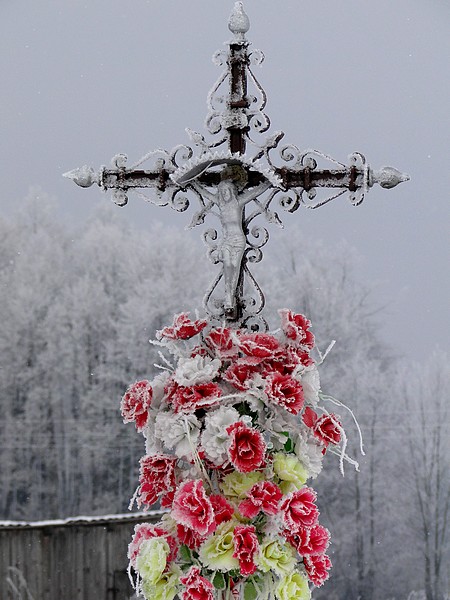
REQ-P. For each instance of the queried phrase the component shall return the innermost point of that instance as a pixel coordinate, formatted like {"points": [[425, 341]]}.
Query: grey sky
{"points": [[82, 81]]}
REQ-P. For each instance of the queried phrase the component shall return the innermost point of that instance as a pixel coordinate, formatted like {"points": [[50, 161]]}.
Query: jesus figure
{"points": [[230, 203]]}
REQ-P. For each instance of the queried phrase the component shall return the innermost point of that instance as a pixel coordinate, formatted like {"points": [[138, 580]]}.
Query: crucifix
{"points": [[234, 176]]}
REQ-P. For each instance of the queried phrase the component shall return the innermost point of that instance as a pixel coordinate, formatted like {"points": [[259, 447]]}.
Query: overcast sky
{"points": [[82, 81]]}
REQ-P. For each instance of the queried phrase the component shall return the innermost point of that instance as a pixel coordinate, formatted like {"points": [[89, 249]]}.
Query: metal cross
{"points": [[234, 177]]}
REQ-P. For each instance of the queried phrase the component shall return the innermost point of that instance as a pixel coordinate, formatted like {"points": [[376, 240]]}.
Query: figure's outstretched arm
{"points": [[253, 193], [204, 193]]}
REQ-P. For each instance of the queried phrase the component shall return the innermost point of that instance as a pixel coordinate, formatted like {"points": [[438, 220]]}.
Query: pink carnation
{"points": [[264, 496], [156, 477], [182, 328], [296, 328], [302, 356], [192, 508], [310, 541], [223, 510], [326, 428], [317, 567], [299, 509], [285, 391], [192, 539], [246, 548], [196, 586], [239, 375], [222, 343], [247, 448], [191, 398], [136, 402]]}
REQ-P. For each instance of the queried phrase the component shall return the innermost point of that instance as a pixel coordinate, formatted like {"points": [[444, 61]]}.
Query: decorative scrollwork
{"points": [[260, 235], [210, 237], [178, 201], [238, 184], [358, 161], [253, 255], [220, 58], [258, 122], [290, 201], [159, 159], [261, 99], [252, 306], [214, 306], [291, 155], [257, 57], [255, 323], [180, 153]]}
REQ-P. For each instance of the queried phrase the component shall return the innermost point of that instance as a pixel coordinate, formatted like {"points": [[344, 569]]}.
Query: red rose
{"points": [[182, 328], [246, 547], [192, 508], [326, 428], [222, 343], [299, 510], [191, 398], [239, 375], [136, 402], [259, 345], [156, 477], [196, 586], [310, 541], [285, 391], [264, 496], [247, 448], [317, 567], [295, 328]]}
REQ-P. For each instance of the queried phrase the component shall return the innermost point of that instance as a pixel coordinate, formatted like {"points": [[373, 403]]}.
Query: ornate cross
{"points": [[234, 176]]}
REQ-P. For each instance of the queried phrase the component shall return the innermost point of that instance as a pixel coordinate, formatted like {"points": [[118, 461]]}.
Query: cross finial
{"points": [[239, 22]]}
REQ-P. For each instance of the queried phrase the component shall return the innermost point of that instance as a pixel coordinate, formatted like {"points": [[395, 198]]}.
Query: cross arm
{"points": [[353, 178]]}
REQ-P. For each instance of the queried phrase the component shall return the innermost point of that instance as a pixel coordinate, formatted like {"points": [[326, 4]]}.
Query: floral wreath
{"points": [[233, 430]]}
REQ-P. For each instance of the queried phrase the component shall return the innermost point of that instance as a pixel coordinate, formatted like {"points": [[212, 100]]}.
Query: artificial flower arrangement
{"points": [[233, 431]]}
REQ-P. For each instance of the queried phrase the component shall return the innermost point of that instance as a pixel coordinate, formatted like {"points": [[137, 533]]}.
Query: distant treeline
{"points": [[77, 310]]}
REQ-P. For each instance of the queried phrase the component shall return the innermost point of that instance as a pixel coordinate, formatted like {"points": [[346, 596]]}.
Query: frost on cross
{"points": [[239, 174]]}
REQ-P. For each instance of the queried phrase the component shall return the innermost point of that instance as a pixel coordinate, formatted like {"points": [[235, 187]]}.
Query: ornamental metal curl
{"points": [[236, 176]]}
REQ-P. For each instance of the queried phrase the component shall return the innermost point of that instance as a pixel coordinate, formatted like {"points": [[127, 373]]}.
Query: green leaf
{"points": [[249, 591], [185, 554], [234, 574], [219, 581], [289, 446]]}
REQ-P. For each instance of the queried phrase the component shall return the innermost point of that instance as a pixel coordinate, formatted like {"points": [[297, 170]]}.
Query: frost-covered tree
{"points": [[320, 282], [77, 310], [78, 307], [423, 393]]}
